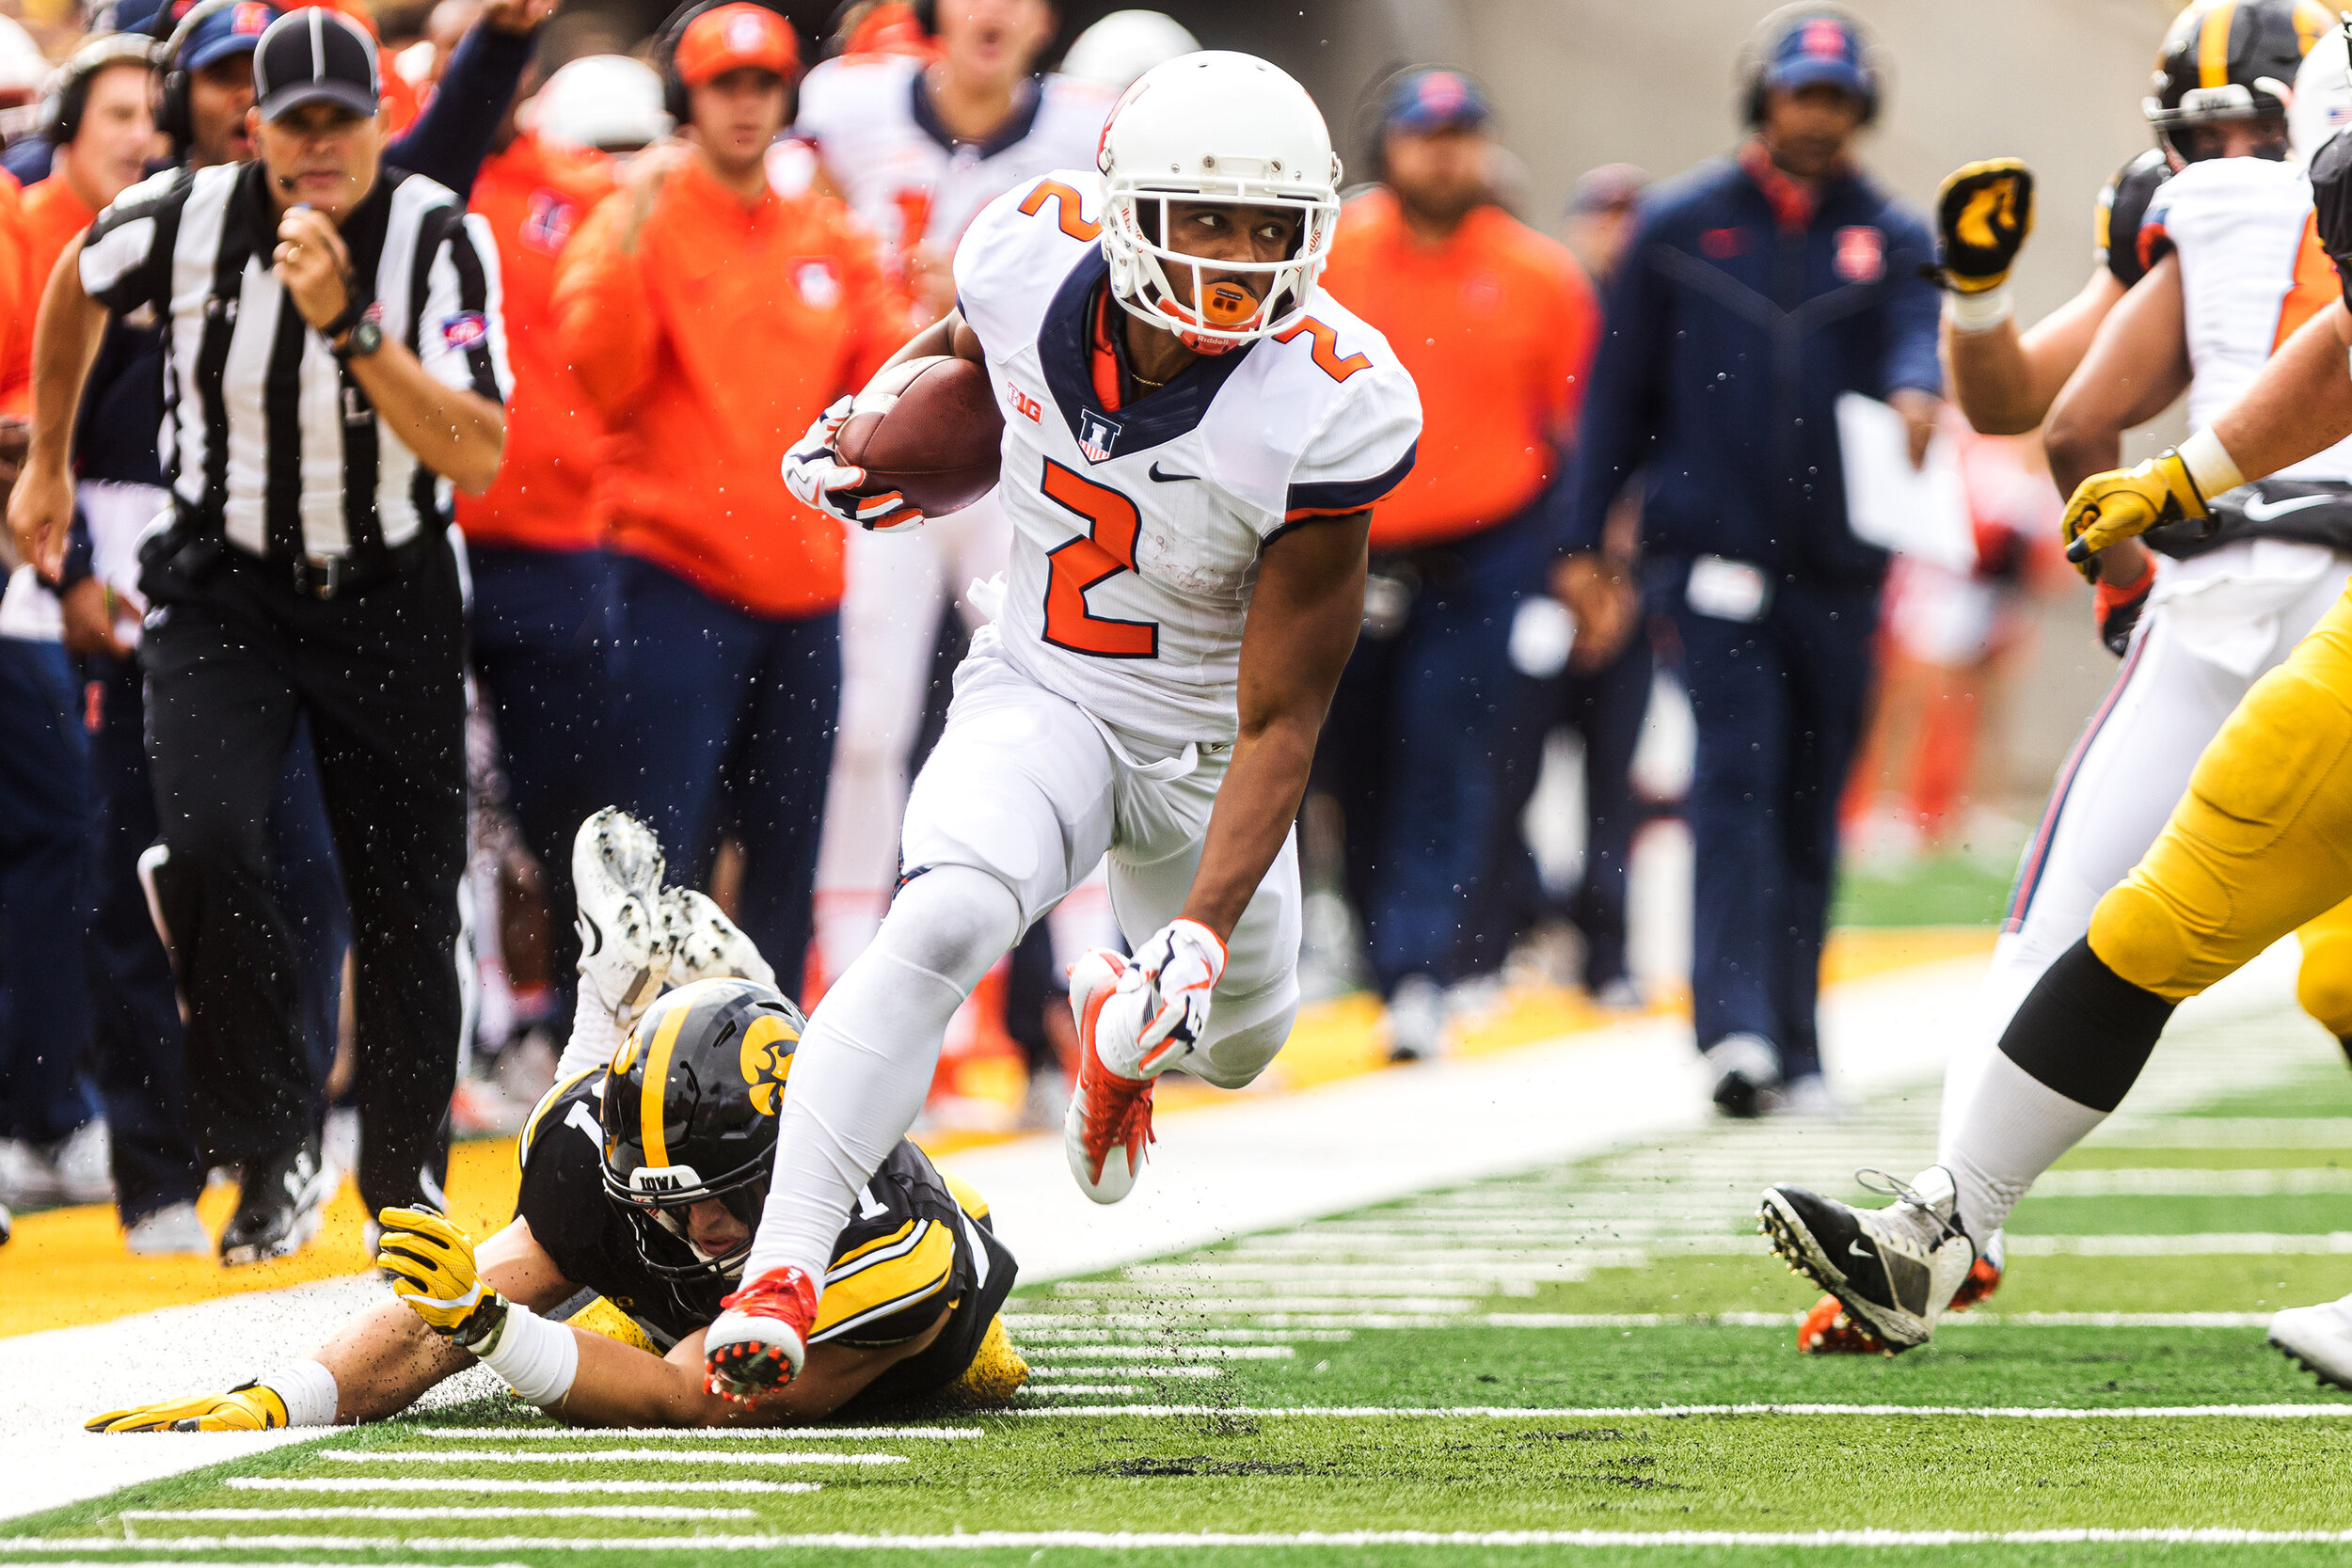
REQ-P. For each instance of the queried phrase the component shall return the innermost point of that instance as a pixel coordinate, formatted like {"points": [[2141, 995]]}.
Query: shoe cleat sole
{"points": [[1807, 1261]]}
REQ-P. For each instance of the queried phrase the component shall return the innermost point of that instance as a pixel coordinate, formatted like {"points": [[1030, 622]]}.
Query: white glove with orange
{"points": [[1161, 1009], [817, 477]]}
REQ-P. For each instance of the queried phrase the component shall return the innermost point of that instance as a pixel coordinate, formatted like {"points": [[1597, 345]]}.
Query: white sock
{"points": [[860, 1075], [308, 1389], [596, 1034], [2015, 1128], [845, 921], [538, 1360]]}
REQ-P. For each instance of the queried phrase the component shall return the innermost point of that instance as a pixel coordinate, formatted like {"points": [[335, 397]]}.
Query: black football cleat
{"points": [[280, 1206], [1893, 1269]]}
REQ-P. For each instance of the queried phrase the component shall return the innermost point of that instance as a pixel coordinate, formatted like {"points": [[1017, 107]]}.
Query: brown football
{"points": [[928, 429]]}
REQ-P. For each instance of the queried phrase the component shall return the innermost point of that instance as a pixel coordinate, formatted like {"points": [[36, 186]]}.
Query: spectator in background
{"points": [[1592, 676], [710, 319], [541, 587], [1755, 291], [600, 103], [1496, 322], [53, 1148]]}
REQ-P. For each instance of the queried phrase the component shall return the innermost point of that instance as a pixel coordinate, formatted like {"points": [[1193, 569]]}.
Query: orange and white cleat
{"points": [[1828, 1330], [1108, 1125], [760, 1341]]}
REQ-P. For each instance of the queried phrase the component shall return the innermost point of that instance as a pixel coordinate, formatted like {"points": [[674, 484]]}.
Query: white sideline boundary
{"points": [[1674, 1412], [1131, 1541], [1254, 1162]]}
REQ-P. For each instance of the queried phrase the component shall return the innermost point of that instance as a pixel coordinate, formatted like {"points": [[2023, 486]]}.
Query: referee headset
{"points": [[1756, 52], [65, 97], [173, 115], [673, 94]]}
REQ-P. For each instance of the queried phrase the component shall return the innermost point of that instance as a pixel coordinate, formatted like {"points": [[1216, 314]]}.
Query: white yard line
{"points": [[619, 1511], [487, 1484], [1051, 1372], [598, 1456], [1142, 1540]]}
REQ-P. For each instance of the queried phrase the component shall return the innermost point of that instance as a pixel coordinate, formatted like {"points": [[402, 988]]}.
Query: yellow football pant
{"points": [[2260, 845]]}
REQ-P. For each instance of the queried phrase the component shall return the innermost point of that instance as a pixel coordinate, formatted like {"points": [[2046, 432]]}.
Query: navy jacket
{"points": [[1727, 336]]}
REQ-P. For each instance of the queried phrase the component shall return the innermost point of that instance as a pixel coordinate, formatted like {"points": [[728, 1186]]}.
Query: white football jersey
{"points": [[1137, 530], [2252, 272], [870, 119]]}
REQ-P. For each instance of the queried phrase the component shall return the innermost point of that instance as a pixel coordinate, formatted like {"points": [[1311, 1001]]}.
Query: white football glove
{"points": [[817, 477], [1161, 1009]]}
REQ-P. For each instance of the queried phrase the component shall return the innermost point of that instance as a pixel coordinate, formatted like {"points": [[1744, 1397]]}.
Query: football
{"points": [[928, 429]]}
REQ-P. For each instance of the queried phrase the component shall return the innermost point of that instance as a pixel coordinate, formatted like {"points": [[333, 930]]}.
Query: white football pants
{"points": [[1025, 794], [897, 587], [2215, 624]]}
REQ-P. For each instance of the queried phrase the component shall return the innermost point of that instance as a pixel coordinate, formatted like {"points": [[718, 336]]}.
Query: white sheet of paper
{"points": [[1920, 512]]}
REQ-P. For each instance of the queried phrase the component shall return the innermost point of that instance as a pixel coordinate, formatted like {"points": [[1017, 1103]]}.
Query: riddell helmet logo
{"points": [[766, 1061]]}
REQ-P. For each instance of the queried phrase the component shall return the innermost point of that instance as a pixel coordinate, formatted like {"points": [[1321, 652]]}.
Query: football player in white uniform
{"points": [[917, 149], [1193, 436], [2235, 267]]}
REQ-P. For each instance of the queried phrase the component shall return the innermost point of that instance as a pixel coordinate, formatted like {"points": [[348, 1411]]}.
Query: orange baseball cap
{"points": [[733, 37]]}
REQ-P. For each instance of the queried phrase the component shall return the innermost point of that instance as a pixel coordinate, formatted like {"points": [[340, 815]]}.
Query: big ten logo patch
{"points": [[1023, 404], [765, 1060], [549, 222]]}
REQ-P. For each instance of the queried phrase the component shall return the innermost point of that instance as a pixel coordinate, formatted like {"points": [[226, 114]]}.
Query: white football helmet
{"points": [[1216, 127], [2322, 104], [1125, 44]]}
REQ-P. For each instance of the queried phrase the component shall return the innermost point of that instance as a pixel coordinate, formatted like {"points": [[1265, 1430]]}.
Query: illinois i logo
{"points": [[1097, 436]]}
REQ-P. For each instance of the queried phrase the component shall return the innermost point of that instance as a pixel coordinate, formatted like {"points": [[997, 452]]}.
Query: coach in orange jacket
{"points": [[1495, 323], [711, 320]]}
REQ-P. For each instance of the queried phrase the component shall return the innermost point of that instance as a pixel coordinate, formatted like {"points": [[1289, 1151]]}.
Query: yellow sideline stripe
{"points": [[67, 1267]]}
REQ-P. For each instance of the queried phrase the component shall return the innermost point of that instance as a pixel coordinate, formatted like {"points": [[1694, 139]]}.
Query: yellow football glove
{"points": [[2122, 503], [431, 1262], [1983, 213], [248, 1408]]}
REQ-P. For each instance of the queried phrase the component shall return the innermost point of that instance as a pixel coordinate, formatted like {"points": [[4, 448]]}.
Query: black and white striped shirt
{"points": [[266, 437]]}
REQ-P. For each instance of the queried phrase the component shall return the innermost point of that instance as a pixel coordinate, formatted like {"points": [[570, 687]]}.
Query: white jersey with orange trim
{"points": [[2252, 271], [870, 119], [1137, 530]]}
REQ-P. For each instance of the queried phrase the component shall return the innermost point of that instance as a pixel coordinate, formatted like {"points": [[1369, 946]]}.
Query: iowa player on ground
{"points": [[640, 1186]]}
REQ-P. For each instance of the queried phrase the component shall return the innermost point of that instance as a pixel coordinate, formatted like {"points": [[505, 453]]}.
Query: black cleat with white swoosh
{"points": [[1894, 1269]]}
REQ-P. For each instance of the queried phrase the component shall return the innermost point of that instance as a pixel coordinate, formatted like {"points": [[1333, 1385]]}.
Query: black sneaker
{"points": [[1895, 1270], [1747, 1076], [280, 1206]]}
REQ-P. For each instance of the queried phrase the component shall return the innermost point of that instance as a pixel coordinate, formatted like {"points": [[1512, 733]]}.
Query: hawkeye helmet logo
{"points": [[1097, 436], [765, 1060]]}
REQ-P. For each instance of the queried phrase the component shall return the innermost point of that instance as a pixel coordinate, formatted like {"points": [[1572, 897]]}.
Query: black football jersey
{"points": [[918, 1240], [2123, 205]]}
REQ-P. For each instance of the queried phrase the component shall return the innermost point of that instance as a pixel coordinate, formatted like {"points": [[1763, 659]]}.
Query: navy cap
{"points": [[315, 55], [1435, 99], [235, 29], [1822, 48]]}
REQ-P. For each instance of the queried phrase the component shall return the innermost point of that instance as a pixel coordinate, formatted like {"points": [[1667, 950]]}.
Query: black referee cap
{"points": [[314, 55]]}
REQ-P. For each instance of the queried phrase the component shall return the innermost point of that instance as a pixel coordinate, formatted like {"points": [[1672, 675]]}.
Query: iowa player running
{"points": [[1193, 436], [2225, 268], [641, 1184], [2260, 844]]}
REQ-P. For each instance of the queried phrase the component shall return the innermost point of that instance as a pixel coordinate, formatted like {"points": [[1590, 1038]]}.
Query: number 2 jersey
{"points": [[920, 1240], [1138, 528]]}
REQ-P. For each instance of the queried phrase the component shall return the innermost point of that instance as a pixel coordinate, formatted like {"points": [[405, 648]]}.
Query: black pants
{"points": [[231, 660]]}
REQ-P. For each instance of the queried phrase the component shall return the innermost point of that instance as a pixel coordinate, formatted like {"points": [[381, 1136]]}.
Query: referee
{"points": [[334, 360]]}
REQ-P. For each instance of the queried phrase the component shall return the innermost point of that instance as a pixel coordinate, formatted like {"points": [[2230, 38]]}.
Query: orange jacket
{"points": [[1496, 325], [53, 217], [16, 305], [711, 348], [533, 195]]}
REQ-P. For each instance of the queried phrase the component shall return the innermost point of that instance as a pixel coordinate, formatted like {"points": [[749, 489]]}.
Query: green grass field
{"points": [[1479, 1375]]}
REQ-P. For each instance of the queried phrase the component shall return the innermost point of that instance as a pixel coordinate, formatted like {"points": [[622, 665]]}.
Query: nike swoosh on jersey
{"points": [[1167, 479], [2260, 511]]}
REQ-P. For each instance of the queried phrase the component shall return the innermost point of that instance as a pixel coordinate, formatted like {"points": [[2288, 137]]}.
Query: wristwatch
{"points": [[365, 339]]}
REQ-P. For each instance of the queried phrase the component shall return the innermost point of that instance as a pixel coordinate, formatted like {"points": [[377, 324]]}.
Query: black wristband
{"points": [[351, 317]]}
